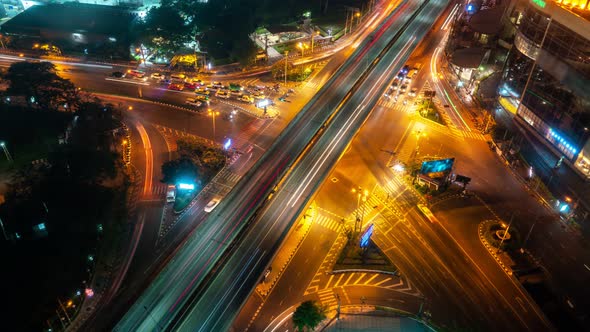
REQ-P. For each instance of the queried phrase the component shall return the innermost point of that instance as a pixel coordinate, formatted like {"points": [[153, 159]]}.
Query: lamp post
{"points": [[316, 33], [419, 134], [360, 194], [505, 232], [213, 114], [8, 157], [286, 62], [300, 45], [358, 21]]}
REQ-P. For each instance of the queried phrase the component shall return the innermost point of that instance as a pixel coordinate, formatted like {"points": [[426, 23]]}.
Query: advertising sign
{"points": [[367, 236], [437, 168]]}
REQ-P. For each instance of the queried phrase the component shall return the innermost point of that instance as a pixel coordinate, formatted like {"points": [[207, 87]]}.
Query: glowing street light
{"points": [[300, 46], [316, 33], [8, 157]]}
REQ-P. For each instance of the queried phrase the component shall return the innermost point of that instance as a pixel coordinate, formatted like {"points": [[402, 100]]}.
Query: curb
{"points": [[491, 249]]}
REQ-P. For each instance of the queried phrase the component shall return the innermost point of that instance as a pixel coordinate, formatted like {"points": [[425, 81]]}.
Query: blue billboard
{"points": [[367, 236], [437, 168]]}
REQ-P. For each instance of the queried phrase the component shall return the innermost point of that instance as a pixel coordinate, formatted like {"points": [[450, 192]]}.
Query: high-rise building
{"points": [[546, 80]]}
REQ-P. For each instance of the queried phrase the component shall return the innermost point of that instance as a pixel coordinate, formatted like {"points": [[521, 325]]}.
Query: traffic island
{"points": [[360, 255]]}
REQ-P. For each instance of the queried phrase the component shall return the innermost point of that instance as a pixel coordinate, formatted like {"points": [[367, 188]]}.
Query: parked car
{"points": [[117, 74]]}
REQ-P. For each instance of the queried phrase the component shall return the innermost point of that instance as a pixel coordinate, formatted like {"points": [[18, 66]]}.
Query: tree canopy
{"points": [[308, 315], [163, 31], [177, 169], [40, 85]]}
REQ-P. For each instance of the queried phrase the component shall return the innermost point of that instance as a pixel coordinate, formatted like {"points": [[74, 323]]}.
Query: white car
{"points": [[193, 102], [211, 205], [157, 76], [413, 92]]}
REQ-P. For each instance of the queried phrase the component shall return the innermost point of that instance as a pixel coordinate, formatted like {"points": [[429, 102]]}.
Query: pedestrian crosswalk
{"points": [[328, 298], [329, 223], [227, 178], [159, 190], [474, 135]]}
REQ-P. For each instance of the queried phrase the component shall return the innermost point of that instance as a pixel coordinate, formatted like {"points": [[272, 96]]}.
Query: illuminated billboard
{"points": [[367, 236], [437, 168]]}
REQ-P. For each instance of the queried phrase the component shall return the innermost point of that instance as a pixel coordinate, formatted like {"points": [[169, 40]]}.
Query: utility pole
{"points": [[528, 235], [286, 62], [8, 156], [3, 230], [65, 311], [505, 232]]}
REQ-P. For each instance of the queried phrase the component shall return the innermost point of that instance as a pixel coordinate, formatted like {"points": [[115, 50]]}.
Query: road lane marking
{"points": [[587, 267], [347, 280], [359, 279], [371, 279], [382, 282], [338, 282], [329, 281]]}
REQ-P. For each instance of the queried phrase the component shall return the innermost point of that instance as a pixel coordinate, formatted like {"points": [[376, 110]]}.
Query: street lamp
{"points": [[316, 33], [213, 114], [300, 46], [286, 62], [8, 157], [419, 134], [358, 16], [360, 194]]}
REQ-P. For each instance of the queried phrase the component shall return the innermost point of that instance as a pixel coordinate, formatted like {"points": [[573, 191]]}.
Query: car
{"points": [[403, 88], [175, 87], [138, 74], [267, 273], [217, 85], [413, 92], [193, 102], [157, 76], [236, 93], [395, 85], [202, 98], [171, 194], [211, 205], [178, 76], [258, 95], [190, 86], [117, 74], [246, 98], [222, 94], [197, 81]]}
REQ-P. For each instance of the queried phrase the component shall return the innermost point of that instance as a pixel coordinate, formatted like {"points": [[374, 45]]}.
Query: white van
{"points": [[171, 194]]}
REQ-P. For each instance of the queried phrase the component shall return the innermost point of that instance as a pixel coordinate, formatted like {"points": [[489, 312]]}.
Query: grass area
{"points": [[290, 47], [183, 200], [370, 258], [29, 135], [427, 109]]}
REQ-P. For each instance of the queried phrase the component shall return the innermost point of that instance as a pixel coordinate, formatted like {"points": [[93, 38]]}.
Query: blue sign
{"points": [[437, 167], [227, 144], [367, 236], [186, 186]]}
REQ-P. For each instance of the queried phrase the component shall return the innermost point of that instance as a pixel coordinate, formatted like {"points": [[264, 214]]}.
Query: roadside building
{"points": [[479, 41], [73, 27], [550, 62]]}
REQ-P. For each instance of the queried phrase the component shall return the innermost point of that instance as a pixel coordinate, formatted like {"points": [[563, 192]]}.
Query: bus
{"points": [[427, 213]]}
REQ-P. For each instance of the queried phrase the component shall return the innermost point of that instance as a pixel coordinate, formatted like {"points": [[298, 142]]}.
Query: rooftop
{"points": [[73, 17]]}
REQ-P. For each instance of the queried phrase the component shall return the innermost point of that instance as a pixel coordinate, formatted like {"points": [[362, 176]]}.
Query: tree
{"points": [[244, 51], [308, 315], [178, 169], [163, 32], [40, 85]]}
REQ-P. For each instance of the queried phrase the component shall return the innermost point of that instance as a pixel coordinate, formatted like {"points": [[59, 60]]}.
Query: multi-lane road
{"points": [[216, 306]]}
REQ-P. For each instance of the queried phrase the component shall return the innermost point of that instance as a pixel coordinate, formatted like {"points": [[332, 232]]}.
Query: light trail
{"points": [[327, 152], [149, 161]]}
